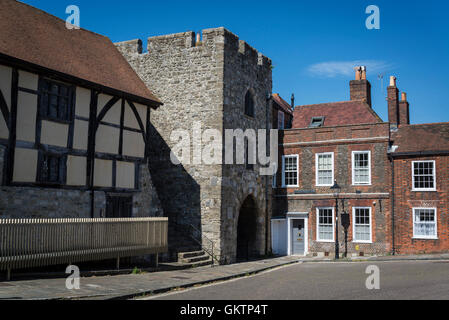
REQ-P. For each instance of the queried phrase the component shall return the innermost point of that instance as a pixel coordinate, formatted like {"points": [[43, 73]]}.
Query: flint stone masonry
{"points": [[206, 82]]}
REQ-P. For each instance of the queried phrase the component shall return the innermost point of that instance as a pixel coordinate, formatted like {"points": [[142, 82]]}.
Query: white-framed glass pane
{"points": [[325, 224], [425, 223], [424, 175], [362, 224], [291, 171], [325, 170], [361, 168]]}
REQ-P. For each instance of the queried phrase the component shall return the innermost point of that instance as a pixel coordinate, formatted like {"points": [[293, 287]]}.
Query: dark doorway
{"points": [[119, 206], [247, 230]]}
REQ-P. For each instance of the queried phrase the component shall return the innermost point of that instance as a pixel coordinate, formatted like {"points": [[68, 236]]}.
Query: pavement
{"points": [[128, 286]]}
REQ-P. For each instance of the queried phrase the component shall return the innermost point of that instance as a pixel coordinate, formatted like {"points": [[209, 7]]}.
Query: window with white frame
{"points": [[424, 176], [281, 120], [325, 169], [325, 224], [362, 225], [290, 171], [425, 223], [361, 167]]}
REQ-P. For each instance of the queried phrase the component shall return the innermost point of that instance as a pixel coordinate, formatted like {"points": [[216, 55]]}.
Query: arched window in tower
{"points": [[249, 104]]}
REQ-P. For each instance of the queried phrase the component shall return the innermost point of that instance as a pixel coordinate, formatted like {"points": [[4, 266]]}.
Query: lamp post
{"points": [[336, 191]]}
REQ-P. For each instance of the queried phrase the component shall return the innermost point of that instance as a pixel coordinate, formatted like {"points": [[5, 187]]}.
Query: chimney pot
{"points": [[404, 96], [363, 72], [358, 74], [392, 81]]}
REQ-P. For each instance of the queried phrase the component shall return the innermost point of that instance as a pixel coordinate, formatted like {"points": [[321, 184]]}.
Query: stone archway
{"points": [[247, 230]]}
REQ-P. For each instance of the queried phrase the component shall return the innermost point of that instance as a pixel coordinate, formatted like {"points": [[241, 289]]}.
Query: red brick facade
{"points": [[390, 196], [406, 200]]}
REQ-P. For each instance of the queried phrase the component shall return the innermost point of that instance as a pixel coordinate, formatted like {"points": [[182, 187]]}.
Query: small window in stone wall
{"points": [[249, 104], [56, 100]]}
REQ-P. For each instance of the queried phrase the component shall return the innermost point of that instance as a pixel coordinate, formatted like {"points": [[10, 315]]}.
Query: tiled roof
{"points": [[36, 37], [335, 114], [282, 103], [421, 138]]}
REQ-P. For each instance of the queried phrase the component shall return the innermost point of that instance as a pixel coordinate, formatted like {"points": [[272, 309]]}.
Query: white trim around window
{"points": [[290, 172], [422, 226], [325, 210], [364, 183], [331, 179], [362, 224], [434, 176]]}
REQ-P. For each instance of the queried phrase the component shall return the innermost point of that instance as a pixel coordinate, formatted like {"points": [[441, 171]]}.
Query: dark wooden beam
{"points": [[105, 110], [9, 167], [122, 123], [139, 120], [4, 110]]}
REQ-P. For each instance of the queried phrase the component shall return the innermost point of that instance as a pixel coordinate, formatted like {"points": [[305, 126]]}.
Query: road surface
{"points": [[335, 281]]}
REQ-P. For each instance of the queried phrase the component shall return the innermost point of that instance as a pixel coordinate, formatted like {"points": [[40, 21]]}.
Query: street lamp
{"points": [[336, 191]]}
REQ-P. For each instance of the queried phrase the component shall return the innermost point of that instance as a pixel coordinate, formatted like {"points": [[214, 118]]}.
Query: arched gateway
{"points": [[247, 230]]}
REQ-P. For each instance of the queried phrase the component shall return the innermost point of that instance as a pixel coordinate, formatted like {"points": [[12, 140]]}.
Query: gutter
{"points": [[419, 153], [393, 244]]}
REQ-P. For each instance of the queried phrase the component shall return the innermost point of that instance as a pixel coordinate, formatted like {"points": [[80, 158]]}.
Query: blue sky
{"points": [[313, 44]]}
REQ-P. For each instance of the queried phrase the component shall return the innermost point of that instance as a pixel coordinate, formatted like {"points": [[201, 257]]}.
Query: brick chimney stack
{"points": [[393, 103], [404, 110], [360, 88]]}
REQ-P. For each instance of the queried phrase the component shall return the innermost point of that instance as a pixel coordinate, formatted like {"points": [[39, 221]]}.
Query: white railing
{"points": [[27, 243]]}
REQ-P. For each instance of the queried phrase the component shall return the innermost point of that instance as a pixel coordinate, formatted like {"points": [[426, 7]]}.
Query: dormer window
{"points": [[317, 122]]}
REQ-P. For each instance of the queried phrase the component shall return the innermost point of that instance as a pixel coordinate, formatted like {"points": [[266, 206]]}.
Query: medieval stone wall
{"points": [[203, 82]]}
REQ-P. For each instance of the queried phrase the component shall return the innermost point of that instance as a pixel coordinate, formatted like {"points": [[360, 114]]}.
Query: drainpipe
{"points": [[268, 142], [393, 249]]}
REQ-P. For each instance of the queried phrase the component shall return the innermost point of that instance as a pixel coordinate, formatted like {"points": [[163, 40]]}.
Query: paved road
{"points": [[398, 280]]}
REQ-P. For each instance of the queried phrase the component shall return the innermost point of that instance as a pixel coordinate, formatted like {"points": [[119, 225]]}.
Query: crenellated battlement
{"points": [[214, 39]]}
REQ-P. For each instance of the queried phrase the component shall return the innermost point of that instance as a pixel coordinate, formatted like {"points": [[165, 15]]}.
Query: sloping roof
{"points": [[421, 138], [36, 37], [335, 114], [282, 103]]}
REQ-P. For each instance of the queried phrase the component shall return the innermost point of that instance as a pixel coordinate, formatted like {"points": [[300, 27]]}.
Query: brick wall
{"points": [[342, 141], [406, 200]]}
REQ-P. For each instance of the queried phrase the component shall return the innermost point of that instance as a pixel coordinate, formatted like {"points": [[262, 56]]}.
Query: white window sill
{"points": [[324, 185], [286, 187], [325, 241], [424, 190], [425, 238], [362, 184], [363, 242]]}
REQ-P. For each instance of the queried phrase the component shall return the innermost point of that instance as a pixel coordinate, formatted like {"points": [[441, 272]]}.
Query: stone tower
{"points": [[204, 79]]}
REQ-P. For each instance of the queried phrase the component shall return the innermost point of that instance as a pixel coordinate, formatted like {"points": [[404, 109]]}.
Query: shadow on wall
{"points": [[280, 201], [179, 195]]}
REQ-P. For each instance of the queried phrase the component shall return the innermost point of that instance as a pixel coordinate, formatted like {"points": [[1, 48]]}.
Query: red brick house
{"points": [[420, 159], [347, 142]]}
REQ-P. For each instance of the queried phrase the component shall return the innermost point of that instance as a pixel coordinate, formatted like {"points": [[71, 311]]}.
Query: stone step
{"points": [[192, 254], [202, 258], [207, 262]]}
